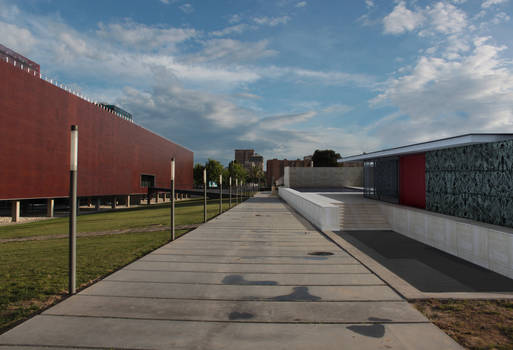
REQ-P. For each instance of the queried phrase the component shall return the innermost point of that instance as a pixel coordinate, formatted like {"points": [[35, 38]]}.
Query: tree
{"points": [[256, 174], [237, 171], [198, 174], [226, 177], [214, 169], [325, 158]]}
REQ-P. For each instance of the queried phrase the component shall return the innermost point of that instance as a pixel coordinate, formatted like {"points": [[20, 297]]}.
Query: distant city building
{"points": [[275, 168], [248, 158], [10, 56]]}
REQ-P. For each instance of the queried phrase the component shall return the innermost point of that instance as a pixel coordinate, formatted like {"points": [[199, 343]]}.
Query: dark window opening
{"points": [[147, 180]]}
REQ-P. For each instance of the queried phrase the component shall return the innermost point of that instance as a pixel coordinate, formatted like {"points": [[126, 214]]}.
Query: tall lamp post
{"points": [[230, 192], [73, 210], [173, 199], [204, 195], [220, 194]]}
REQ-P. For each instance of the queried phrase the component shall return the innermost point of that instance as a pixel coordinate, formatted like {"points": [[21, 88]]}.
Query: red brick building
{"points": [[116, 157]]}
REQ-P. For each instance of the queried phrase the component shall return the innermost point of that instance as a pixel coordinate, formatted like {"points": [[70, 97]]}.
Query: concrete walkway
{"points": [[249, 279]]}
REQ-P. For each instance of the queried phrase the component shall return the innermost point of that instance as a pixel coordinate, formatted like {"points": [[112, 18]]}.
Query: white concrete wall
{"points": [[323, 177], [315, 208], [489, 246]]}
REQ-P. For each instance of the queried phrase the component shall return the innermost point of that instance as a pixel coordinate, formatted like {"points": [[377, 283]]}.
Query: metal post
{"points": [[204, 195], [172, 199], [73, 210], [230, 192], [236, 191], [220, 194]]}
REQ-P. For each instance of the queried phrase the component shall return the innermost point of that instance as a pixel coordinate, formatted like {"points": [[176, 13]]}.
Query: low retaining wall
{"points": [[489, 246], [315, 208], [323, 177]]}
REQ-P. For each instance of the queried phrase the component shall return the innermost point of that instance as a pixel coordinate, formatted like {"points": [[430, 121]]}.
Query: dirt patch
{"points": [[152, 228], [474, 324]]}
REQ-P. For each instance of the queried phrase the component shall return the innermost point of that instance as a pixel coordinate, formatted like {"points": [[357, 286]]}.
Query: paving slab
{"points": [[244, 280], [273, 260], [297, 279], [123, 333], [246, 292], [242, 311], [244, 268]]}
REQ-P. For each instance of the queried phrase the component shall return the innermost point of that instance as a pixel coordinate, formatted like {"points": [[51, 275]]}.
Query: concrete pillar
{"points": [[15, 211], [181, 195], [128, 201], [114, 202], [97, 204], [50, 206]]}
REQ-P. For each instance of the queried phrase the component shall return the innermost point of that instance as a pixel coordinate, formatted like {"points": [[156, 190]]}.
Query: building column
{"points": [[97, 204], [15, 211], [50, 206], [114, 202], [128, 201]]}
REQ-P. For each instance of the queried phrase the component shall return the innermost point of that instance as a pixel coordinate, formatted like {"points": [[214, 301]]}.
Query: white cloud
{"points": [[446, 18], [235, 29], [236, 18], [402, 19], [271, 21], [442, 97], [488, 3], [369, 3], [16, 38], [140, 36], [187, 8], [337, 109], [301, 4], [229, 50]]}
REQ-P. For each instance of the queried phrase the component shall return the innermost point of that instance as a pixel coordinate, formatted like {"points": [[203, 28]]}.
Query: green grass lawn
{"points": [[34, 274], [186, 212]]}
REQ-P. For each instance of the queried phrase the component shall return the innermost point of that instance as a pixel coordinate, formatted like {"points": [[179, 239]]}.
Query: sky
{"points": [[282, 77]]}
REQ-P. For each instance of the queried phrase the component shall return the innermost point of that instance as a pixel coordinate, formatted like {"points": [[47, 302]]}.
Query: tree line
{"points": [[234, 170]]}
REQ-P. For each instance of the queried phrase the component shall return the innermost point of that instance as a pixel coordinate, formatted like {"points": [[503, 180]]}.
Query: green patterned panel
{"points": [[474, 182]]}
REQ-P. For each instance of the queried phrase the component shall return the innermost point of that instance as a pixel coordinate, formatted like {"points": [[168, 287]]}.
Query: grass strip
{"points": [[474, 324], [186, 213], [34, 274]]}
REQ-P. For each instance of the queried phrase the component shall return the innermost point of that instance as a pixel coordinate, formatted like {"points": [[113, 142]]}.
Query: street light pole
{"points": [[173, 199], [220, 194], [230, 192], [73, 210], [204, 195]]}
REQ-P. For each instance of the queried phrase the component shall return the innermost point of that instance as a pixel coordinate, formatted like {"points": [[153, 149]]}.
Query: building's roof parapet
{"points": [[455, 141]]}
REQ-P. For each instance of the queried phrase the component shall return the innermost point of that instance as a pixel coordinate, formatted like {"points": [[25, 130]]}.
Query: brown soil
{"points": [[152, 228], [474, 324]]}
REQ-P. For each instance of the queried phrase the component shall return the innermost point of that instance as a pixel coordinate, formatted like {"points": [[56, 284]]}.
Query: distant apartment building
{"points": [[248, 158], [275, 168]]}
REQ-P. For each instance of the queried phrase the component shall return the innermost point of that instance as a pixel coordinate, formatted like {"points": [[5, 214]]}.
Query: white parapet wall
{"points": [[489, 246], [323, 177], [315, 208]]}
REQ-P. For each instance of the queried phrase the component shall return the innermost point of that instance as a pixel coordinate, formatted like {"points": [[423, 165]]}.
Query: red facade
{"points": [[412, 180], [113, 153]]}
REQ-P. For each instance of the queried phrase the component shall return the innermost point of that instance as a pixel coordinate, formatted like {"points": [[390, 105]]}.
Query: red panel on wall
{"points": [[35, 120], [412, 180]]}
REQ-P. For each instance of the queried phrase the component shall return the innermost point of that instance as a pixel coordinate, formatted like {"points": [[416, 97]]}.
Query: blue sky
{"points": [[282, 77]]}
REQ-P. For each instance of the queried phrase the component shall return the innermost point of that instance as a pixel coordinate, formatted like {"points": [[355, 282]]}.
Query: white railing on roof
{"points": [[63, 87]]}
